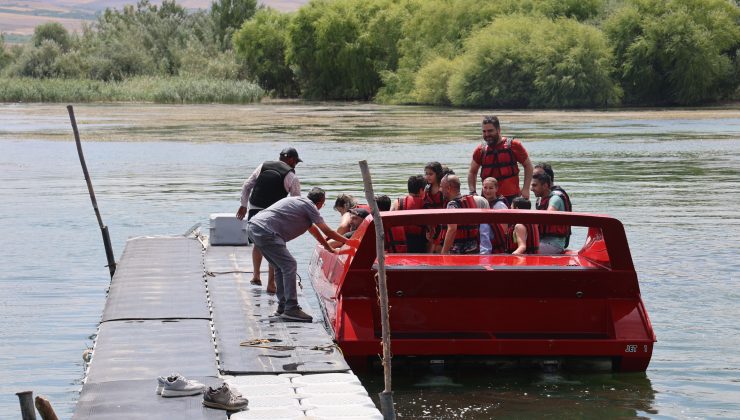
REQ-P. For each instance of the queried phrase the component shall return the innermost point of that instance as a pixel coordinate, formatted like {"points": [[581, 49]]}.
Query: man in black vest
{"points": [[270, 182]]}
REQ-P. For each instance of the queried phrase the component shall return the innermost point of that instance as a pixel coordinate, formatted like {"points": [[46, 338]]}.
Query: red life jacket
{"points": [[533, 239], [499, 239], [498, 163], [561, 231], [434, 201], [467, 233], [396, 238]]}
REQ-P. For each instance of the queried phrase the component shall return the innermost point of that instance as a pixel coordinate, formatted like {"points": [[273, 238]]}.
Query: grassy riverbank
{"points": [[164, 90]]}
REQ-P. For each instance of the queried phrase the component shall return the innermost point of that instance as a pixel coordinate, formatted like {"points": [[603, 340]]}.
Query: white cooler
{"points": [[226, 229]]}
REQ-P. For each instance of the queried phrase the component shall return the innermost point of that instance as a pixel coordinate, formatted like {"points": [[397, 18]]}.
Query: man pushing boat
{"points": [[280, 223]]}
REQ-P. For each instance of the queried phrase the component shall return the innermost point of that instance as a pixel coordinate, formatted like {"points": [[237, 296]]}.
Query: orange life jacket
{"points": [[434, 201], [398, 236], [533, 239], [498, 163], [562, 231], [466, 234]]}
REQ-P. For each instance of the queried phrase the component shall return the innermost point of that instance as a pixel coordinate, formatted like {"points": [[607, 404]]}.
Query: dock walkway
{"points": [[177, 305]]}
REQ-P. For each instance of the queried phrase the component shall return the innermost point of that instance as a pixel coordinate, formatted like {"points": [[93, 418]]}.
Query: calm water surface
{"points": [[672, 177]]}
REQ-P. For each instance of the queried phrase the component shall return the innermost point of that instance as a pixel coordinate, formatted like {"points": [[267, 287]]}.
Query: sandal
{"points": [[256, 282]]}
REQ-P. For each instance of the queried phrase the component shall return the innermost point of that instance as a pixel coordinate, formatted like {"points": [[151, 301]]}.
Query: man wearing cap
{"points": [[270, 181]]}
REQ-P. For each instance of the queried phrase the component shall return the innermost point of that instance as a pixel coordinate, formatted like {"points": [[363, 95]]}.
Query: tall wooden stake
{"points": [[103, 228], [386, 397]]}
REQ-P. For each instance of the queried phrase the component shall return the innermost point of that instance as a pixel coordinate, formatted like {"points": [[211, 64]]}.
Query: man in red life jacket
{"points": [[555, 189], [499, 157], [493, 235], [459, 239], [409, 238], [523, 238], [552, 237], [270, 182]]}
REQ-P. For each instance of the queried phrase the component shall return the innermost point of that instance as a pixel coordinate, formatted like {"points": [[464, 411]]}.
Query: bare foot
{"points": [[256, 282], [271, 289]]}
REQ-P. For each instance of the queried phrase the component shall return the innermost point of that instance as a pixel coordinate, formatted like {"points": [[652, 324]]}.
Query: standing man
{"points": [[499, 157], [552, 237], [269, 182], [459, 239], [280, 223]]}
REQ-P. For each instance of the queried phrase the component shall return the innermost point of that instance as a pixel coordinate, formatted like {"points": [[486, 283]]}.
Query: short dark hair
{"points": [[547, 168], [316, 195], [416, 183], [446, 170], [435, 167], [543, 178], [521, 203], [384, 202], [491, 119]]}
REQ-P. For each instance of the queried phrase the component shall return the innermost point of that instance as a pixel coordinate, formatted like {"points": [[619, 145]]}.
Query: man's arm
{"points": [[320, 238], [520, 233], [528, 171], [331, 233], [292, 184], [472, 175], [394, 205], [246, 191], [555, 204], [449, 239]]}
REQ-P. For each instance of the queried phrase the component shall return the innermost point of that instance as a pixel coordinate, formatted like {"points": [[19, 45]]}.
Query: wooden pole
{"points": [[25, 398], [103, 228], [45, 409], [386, 397]]}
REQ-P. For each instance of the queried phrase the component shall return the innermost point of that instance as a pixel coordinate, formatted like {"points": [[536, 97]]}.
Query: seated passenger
{"points": [[459, 239], [409, 238], [384, 202], [493, 235], [343, 205], [523, 238], [553, 238], [356, 216]]}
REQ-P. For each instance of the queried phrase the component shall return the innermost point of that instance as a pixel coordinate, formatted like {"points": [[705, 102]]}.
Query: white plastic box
{"points": [[226, 229]]}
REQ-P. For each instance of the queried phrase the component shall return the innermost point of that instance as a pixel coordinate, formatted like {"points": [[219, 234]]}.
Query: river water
{"points": [[672, 177]]}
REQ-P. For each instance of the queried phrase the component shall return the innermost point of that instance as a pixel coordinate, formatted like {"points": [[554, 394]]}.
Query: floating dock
{"points": [[176, 304]]}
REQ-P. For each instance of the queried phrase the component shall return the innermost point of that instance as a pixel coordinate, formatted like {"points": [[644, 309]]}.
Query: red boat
{"points": [[581, 305]]}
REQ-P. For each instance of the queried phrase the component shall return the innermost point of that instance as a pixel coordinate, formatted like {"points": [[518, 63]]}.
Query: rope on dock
{"points": [[264, 343]]}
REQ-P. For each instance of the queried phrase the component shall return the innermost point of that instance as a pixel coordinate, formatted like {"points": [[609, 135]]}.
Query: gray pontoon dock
{"points": [[176, 304]]}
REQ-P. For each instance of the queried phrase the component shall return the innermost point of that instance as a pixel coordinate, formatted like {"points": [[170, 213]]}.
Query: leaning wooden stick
{"points": [[103, 228], [386, 397]]}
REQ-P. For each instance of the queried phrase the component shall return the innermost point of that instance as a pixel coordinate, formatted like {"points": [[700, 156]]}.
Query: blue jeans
{"points": [[276, 253]]}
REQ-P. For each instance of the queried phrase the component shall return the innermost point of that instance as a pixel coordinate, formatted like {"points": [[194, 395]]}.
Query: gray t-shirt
{"points": [[289, 218]]}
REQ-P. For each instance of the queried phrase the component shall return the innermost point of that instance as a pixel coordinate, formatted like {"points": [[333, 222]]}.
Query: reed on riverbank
{"points": [[164, 90]]}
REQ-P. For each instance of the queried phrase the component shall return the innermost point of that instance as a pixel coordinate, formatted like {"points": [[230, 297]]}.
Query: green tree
{"points": [[533, 61], [5, 57], [676, 51], [52, 31], [332, 53], [261, 43], [228, 16]]}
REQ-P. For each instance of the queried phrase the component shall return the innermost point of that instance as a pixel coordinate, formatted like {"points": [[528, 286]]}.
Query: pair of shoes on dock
{"points": [[177, 385], [224, 398], [296, 314]]}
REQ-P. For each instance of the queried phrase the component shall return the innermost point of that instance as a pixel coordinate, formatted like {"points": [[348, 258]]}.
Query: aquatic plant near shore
{"points": [[166, 90]]}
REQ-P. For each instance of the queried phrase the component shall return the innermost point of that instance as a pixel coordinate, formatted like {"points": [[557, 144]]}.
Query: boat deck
{"points": [[176, 305]]}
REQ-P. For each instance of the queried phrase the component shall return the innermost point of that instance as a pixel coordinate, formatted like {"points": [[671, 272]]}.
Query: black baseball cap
{"points": [[357, 211], [290, 152]]}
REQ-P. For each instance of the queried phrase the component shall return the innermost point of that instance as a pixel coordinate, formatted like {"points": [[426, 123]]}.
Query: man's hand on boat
{"points": [[318, 229]]}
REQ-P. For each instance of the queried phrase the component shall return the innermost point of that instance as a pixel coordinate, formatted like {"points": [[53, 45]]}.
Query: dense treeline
{"points": [[477, 53]]}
